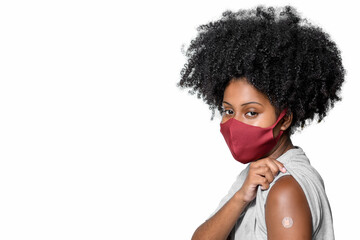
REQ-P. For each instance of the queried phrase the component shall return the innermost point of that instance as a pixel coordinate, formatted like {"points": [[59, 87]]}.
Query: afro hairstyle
{"points": [[294, 63]]}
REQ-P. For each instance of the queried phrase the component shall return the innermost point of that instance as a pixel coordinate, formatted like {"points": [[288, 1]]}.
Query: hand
{"points": [[261, 172]]}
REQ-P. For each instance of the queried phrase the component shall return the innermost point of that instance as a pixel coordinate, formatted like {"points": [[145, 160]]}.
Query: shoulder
{"points": [[287, 212], [286, 190]]}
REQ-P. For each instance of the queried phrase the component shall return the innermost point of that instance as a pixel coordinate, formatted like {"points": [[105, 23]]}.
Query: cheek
{"points": [[268, 120], [224, 119], [262, 120]]}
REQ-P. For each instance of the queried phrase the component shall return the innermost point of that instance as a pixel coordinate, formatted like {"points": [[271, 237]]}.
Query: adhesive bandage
{"points": [[287, 222]]}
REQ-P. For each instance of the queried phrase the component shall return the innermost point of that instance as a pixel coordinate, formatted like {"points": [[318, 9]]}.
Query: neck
{"points": [[283, 145]]}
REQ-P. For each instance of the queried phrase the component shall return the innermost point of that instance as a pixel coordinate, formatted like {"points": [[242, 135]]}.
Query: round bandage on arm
{"points": [[287, 222]]}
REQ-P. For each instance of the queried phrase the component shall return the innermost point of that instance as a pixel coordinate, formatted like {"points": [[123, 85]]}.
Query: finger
{"points": [[280, 165], [273, 166], [262, 181], [266, 172], [272, 163]]}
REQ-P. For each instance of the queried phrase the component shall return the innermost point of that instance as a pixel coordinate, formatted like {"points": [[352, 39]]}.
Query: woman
{"points": [[268, 72]]}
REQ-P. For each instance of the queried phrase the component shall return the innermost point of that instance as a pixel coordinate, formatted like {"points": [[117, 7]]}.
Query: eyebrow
{"points": [[244, 103]]}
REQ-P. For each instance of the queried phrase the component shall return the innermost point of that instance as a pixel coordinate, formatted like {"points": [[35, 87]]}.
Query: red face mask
{"points": [[248, 143]]}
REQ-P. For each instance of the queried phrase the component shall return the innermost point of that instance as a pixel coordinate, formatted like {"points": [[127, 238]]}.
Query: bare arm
{"points": [[220, 225], [287, 212]]}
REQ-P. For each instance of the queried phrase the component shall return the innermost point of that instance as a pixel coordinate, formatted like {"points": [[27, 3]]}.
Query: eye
{"points": [[251, 114], [228, 112]]}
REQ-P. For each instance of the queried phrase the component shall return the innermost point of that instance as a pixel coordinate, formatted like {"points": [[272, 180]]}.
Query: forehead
{"points": [[241, 91]]}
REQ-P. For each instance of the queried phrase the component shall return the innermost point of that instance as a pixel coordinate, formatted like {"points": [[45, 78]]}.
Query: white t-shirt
{"points": [[251, 223]]}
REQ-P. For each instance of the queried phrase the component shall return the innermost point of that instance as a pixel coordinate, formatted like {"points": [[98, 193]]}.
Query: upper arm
{"points": [[286, 199]]}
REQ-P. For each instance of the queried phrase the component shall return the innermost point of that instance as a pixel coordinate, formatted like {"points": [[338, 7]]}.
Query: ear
{"points": [[287, 120]]}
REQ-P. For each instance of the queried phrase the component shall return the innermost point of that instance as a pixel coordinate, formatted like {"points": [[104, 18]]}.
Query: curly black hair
{"points": [[294, 63]]}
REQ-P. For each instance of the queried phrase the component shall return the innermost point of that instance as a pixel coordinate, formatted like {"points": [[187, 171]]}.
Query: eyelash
{"points": [[225, 112], [252, 112]]}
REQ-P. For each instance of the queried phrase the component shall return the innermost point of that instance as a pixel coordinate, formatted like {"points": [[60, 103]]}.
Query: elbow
{"points": [[201, 234], [196, 235]]}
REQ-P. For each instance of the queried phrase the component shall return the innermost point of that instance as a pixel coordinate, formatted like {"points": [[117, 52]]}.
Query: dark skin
{"points": [[286, 199]]}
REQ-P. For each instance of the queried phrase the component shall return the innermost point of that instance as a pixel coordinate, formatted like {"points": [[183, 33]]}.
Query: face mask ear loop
{"points": [[282, 114]]}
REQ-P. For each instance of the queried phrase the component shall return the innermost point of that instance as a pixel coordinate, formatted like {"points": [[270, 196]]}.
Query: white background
{"points": [[96, 141]]}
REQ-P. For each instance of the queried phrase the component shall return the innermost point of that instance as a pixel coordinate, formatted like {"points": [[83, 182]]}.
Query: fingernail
{"points": [[283, 169]]}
